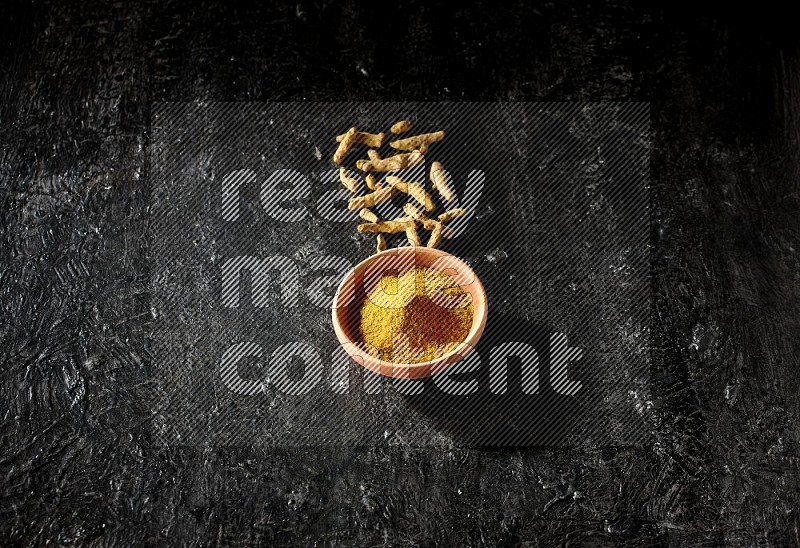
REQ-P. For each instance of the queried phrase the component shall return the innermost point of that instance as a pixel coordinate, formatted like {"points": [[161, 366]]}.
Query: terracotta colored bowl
{"points": [[359, 282]]}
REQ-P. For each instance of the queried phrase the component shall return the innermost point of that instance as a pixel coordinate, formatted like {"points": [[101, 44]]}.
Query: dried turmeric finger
{"points": [[368, 215], [452, 214], [427, 223], [412, 235], [413, 189], [412, 211], [440, 182], [351, 183], [416, 191], [381, 243], [372, 182], [372, 199], [348, 139], [387, 227], [436, 235], [392, 163], [418, 142], [369, 139], [401, 127], [373, 154]]}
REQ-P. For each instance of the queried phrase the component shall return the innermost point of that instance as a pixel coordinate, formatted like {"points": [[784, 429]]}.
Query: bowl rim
{"points": [[419, 369]]}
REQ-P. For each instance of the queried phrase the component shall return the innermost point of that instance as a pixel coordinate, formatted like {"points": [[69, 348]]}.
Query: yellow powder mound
{"points": [[416, 317]]}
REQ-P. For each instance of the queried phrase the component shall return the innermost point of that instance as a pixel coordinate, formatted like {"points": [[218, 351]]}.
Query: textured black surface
{"points": [[558, 233], [78, 462]]}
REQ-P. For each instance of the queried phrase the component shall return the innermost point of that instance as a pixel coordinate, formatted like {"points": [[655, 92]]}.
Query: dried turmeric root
{"points": [[368, 215], [426, 222], [440, 182], [412, 211], [401, 224], [436, 236], [401, 127], [437, 228], [372, 182], [386, 227], [392, 163], [418, 142], [413, 235], [452, 214], [346, 142], [351, 183], [413, 189], [374, 140], [380, 243], [372, 199]]}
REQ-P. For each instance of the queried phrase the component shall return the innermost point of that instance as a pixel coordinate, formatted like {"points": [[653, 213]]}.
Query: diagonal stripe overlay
{"points": [[250, 235]]}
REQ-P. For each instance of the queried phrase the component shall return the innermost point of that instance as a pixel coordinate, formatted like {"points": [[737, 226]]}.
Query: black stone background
{"points": [[565, 202], [77, 460]]}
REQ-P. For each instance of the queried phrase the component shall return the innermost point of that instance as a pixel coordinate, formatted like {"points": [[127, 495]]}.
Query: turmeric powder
{"points": [[403, 322]]}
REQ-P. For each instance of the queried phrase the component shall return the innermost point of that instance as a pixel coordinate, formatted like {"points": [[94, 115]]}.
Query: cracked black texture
{"points": [[78, 462]]}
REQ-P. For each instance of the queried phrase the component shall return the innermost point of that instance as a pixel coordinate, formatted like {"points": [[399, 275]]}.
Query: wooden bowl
{"points": [[359, 282]]}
